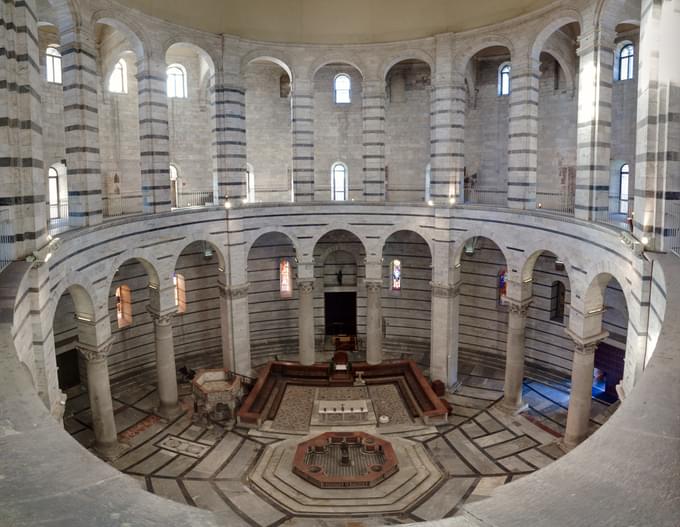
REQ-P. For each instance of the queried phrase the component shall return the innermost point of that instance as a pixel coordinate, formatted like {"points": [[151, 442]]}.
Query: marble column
{"points": [[373, 322], [373, 116], [306, 321], [228, 99], [165, 366], [240, 322], [447, 138], [302, 109], [79, 65], [580, 398], [443, 338], [226, 328], [593, 146], [154, 138], [523, 133], [514, 359], [101, 404]]}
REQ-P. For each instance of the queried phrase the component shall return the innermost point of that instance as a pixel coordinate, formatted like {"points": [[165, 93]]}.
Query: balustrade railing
{"points": [[6, 240], [57, 217], [122, 204], [555, 202], [672, 220], [486, 196], [195, 199]]}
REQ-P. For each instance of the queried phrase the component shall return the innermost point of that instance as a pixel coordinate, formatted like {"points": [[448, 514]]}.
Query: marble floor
{"points": [[479, 449]]}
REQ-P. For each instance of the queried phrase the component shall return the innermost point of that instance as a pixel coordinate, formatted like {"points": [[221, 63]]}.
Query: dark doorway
{"points": [[341, 313], [68, 372], [609, 363]]}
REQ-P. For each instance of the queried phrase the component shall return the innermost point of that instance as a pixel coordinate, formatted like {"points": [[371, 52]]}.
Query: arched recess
{"points": [[119, 115], [555, 49], [407, 296], [606, 299], [486, 129], [73, 323], [272, 298], [482, 323], [64, 14], [338, 128], [407, 129], [268, 82], [134, 288], [339, 299], [197, 328], [547, 346], [189, 117]]}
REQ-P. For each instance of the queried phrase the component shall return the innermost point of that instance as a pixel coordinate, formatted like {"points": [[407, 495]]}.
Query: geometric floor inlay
{"points": [[480, 449]]}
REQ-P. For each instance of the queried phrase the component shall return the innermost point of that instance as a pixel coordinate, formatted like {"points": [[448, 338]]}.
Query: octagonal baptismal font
{"points": [[338, 460]]}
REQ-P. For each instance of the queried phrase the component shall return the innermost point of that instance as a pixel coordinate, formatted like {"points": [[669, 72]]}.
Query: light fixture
{"points": [[540, 205], [452, 200], [644, 240], [430, 203], [227, 204]]}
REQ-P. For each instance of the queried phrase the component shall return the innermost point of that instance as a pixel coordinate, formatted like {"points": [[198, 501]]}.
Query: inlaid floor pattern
{"points": [[480, 449]]}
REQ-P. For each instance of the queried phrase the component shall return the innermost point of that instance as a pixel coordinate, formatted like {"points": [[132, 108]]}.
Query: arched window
{"points": [[627, 62], [502, 286], [180, 292], [395, 275], [123, 306], [428, 179], [624, 176], [557, 300], [53, 188], [53, 65], [339, 182], [504, 79], [118, 78], [342, 87], [250, 184], [177, 81], [285, 278]]}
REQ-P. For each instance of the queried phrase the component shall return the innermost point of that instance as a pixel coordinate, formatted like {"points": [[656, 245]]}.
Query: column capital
{"points": [[159, 318], [94, 353], [373, 87], [239, 291], [586, 345], [442, 290], [519, 308], [373, 286], [305, 285]]}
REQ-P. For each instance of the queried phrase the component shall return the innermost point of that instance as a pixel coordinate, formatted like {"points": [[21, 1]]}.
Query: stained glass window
{"points": [[395, 275], [285, 278]]}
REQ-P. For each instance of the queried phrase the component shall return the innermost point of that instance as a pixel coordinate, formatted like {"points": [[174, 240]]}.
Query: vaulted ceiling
{"points": [[335, 21]]}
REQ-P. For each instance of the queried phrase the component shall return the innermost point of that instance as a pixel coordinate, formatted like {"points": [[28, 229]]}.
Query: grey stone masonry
{"points": [[447, 133], [22, 193], [657, 181], [229, 140], [593, 145], [81, 122], [523, 133], [374, 140], [302, 110], [153, 134]]}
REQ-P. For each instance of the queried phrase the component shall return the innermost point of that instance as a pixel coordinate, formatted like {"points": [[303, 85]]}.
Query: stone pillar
{"points": [[593, 146], [165, 366], [657, 187], [81, 121], [227, 330], [514, 360], [306, 321], [154, 134], [241, 328], [523, 133], [101, 404], [23, 189], [229, 140], [373, 114], [302, 111], [444, 334], [580, 398], [447, 139], [373, 321]]}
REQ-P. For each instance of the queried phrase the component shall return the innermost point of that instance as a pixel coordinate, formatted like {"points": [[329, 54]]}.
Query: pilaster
{"points": [[373, 116], [302, 111]]}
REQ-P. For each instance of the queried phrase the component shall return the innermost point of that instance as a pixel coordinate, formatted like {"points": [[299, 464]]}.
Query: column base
{"points": [[570, 443], [110, 451], [453, 388], [169, 411], [513, 408]]}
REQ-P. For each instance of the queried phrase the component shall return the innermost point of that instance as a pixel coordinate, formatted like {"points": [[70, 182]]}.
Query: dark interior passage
{"points": [[341, 313]]}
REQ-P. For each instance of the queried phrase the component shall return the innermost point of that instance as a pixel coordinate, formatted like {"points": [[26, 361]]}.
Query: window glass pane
{"points": [[339, 191], [342, 89], [118, 79], [623, 190], [395, 278], [285, 278]]}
